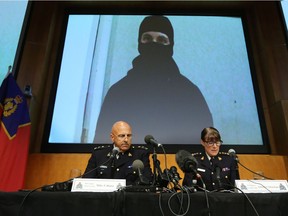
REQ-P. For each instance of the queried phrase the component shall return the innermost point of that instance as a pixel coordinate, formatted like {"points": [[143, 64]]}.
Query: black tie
{"points": [[212, 161]]}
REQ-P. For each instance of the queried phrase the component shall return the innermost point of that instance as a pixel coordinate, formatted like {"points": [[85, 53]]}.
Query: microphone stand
{"points": [[237, 169], [112, 167], [159, 178], [155, 161]]}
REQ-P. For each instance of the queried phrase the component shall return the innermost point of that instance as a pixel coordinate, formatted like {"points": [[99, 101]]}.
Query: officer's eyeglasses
{"points": [[211, 143]]}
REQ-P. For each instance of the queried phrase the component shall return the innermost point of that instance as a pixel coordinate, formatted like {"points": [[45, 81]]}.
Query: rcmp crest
{"points": [[11, 105]]}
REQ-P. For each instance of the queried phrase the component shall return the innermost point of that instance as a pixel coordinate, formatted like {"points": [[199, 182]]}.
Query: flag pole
{"points": [[9, 70]]}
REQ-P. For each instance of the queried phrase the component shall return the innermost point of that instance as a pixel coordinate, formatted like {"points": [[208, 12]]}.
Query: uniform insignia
{"points": [[140, 147], [129, 154], [11, 104], [219, 158], [202, 158], [197, 154], [101, 147]]}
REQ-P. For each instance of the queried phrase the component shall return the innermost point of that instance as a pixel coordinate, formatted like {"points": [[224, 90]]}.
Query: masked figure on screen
{"points": [[154, 97]]}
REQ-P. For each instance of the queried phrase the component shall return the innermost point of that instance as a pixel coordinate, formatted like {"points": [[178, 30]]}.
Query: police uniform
{"points": [[227, 170], [101, 166]]}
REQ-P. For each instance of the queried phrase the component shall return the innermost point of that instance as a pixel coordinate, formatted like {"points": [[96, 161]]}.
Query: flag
{"points": [[14, 135]]}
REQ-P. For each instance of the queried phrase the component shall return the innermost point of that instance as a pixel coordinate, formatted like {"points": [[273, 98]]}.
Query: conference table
{"points": [[123, 203]]}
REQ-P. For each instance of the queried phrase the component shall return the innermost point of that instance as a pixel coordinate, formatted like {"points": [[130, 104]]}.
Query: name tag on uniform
{"points": [[97, 185], [201, 170]]}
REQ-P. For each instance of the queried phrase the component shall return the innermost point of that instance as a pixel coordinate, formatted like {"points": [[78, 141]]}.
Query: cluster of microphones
{"points": [[161, 177], [185, 160]]}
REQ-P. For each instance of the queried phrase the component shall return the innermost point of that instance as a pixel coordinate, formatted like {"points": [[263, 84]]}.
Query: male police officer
{"points": [[101, 165]]}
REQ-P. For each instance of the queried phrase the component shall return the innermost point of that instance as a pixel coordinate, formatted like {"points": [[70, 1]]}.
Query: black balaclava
{"points": [[157, 24]]}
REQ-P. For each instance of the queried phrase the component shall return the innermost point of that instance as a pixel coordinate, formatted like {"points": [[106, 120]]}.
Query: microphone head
{"points": [[137, 164], [115, 150], [232, 153], [173, 169], [186, 161], [151, 141], [148, 138]]}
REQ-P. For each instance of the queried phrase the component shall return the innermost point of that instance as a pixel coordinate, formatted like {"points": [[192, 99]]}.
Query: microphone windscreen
{"points": [[173, 169], [182, 157], [115, 150], [231, 152], [148, 138], [137, 164]]}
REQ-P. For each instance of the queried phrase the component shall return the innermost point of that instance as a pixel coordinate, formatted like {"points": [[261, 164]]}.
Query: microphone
{"points": [[138, 166], [186, 161], [151, 141], [175, 174], [112, 157], [232, 153], [114, 152], [168, 174], [161, 177]]}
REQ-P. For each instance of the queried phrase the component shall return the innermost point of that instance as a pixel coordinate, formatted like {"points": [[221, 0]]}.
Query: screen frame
{"points": [[284, 21], [141, 8]]}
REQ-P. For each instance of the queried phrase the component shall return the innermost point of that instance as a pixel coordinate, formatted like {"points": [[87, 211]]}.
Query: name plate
{"points": [[262, 186], [97, 185]]}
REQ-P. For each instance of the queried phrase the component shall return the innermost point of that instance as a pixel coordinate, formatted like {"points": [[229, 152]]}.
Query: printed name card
{"points": [[97, 185], [262, 186]]}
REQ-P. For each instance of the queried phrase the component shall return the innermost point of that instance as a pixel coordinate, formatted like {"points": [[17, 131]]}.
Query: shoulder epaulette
{"points": [[101, 147], [139, 147], [223, 153], [197, 154]]}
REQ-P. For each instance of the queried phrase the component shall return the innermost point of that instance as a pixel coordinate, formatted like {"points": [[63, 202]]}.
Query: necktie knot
{"points": [[211, 161]]}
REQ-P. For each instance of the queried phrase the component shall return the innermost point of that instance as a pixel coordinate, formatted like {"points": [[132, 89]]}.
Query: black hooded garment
{"points": [[154, 98]]}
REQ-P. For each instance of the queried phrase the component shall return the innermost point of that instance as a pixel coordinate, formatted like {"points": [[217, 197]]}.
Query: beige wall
{"points": [[46, 169]]}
